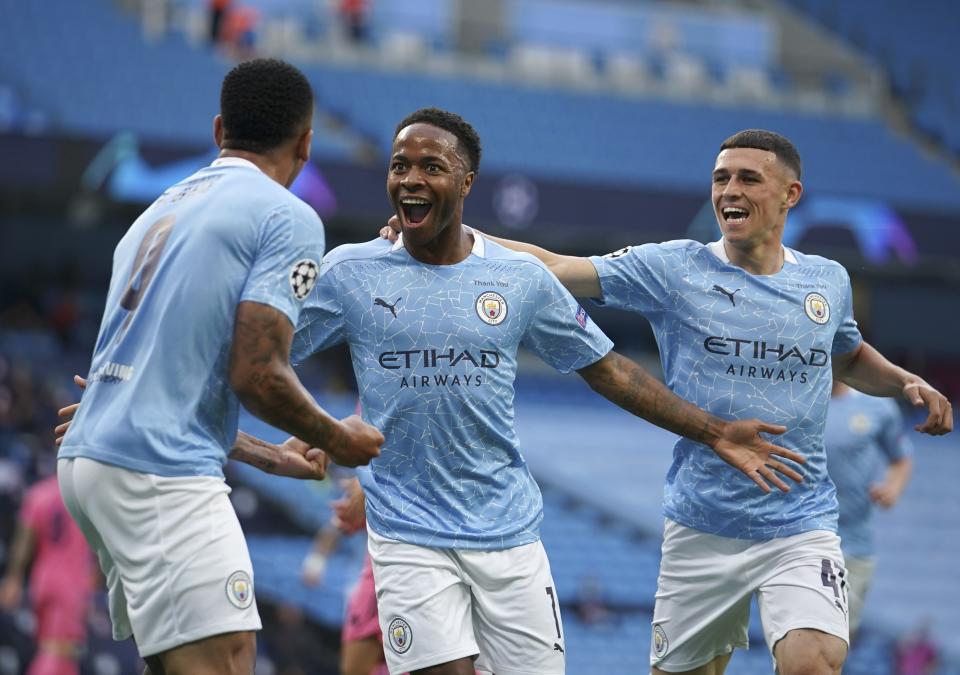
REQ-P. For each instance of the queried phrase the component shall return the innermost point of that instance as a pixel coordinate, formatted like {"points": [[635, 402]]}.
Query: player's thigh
{"points": [[516, 611], [223, 654], [178, 551], [424, 605], [805, 651], [702, 606], [804, 594], [859, 578], [360, 657]]}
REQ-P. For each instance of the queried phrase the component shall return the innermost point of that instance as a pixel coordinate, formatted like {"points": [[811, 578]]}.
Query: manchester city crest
{"points": [[492, 308], [660, 643], [816, 308], [400, 635], [240, 589]]}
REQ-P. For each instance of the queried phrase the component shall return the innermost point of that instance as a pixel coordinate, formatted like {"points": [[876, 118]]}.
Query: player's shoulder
{"points": [[498, 253], [681, 248], [363, 251], [810, 260]]}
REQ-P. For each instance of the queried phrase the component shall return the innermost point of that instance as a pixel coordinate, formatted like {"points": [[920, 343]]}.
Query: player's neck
{"points": [[277, 170], [761, 259], [449, 247]]}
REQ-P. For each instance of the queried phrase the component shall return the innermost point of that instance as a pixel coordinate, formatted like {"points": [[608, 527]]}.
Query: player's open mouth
{"points": [[734, 214], [415, 209]]}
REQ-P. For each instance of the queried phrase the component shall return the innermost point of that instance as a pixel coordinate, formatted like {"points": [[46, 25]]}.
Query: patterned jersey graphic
{"points": [[741, 346], [434, 352]]}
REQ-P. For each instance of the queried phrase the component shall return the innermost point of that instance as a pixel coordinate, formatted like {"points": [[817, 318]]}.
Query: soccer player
{"points": [[50, 544], [207, 287], [861, 435], [747, 327], [433, 322]]}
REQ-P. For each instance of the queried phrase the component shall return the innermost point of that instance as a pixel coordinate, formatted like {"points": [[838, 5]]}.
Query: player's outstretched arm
{"points": [[738, 443], [577, 274], [887, 493], [867, 370], [264, 381]]}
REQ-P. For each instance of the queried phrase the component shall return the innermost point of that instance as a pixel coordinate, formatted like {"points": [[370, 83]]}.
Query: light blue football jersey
{"points": [[863, 435], [434, 350], [741, 346], [158, 399]]}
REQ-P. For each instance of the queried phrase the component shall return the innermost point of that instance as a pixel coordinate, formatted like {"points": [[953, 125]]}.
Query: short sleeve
{"points": [[287, 261], [893, 440], [560, 331], [847, 337], [321, 322], [635, 277]]}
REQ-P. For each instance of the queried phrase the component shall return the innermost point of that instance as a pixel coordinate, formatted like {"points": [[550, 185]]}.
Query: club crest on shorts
{"points": [[816, 308], [240, 589], [660, 643], [492, 308], [303, 277], [400, 635]]}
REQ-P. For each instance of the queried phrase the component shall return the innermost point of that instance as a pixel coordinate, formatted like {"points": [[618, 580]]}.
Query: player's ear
{"points": [[218, 131], [467, 184], [794, 192], [304, 144]]}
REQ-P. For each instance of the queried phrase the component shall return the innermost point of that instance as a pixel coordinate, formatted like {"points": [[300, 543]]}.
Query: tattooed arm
{"points": [[738, 443], [264, 381]]}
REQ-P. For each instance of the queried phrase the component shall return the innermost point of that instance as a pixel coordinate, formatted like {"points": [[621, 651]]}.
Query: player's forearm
{"points": [[898, 475], [256, 452], [867, 370], [276, 396], [21, 551], [626, 384]]}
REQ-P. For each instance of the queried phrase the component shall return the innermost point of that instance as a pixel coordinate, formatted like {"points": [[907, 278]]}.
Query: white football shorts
{"points": [[439, 605], [171, 549], [706, 582]]}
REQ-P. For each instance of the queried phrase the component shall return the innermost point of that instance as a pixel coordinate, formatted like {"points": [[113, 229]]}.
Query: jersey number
{"points": [[145, 265]]}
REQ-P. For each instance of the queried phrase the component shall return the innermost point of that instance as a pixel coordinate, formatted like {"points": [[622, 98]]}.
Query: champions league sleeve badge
{"points": [[816, 308], [303, 277], [492, 308]]}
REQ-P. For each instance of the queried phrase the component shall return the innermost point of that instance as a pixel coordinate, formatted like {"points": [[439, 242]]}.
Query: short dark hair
{"points": [[467, 136], [770, 141], [263, 103]]}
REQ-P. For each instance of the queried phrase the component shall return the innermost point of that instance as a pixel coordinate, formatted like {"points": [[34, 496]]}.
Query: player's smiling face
{"points": [[752, 192], [427, 181]]}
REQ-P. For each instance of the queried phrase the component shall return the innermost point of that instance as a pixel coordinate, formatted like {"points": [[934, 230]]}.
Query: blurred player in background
{"points": [[748, 327], [862, 435], [433, 323], [207, 287], [50, 544]]}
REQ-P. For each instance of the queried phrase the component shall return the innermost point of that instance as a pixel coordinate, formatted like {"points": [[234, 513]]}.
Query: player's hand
{"points": [[313, 569], [940, 418], [742, 447], [11, 592], [299, 460], [349, 515], [356, 442], [884, 495], [68, 412], [391, 230]]}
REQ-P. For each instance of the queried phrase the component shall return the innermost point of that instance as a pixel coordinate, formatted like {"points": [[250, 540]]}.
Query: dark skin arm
{"points": [[293, 458], [266, 384], [738, 443]]}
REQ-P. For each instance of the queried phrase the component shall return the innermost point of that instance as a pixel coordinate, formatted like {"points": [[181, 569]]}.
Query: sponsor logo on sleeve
{"points": [[581, 316]]}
